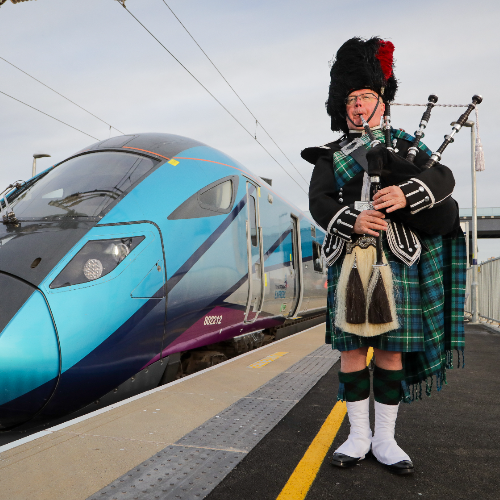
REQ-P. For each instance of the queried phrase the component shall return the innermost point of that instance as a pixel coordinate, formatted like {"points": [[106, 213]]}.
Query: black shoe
{"points": [[345, 461], [403, 467]]}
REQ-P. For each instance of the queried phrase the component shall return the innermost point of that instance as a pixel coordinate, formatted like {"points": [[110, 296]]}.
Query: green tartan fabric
{"points": [[354, 386], [346, 167], [387, 385], [430, 307], [429, 300]]}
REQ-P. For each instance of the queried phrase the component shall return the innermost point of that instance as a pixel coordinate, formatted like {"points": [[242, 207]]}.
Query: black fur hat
{"points": [[360, 64]]}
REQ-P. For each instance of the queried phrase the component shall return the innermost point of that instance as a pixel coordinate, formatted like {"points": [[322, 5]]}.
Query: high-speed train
{"points": [[131, 251]]}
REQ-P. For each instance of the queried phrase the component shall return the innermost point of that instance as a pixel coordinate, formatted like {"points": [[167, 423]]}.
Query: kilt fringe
{"points": [[414, 393], [449, 358], [341, 393], [405, 392]]}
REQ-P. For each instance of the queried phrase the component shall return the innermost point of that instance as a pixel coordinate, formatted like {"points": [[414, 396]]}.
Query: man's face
{"points": [[363, 105]]}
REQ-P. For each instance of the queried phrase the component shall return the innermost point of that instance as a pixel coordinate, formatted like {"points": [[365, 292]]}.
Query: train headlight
{"points": [[119, 251], [93, 269], [96, 259]]}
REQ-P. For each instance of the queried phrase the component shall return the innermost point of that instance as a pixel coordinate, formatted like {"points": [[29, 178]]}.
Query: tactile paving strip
{"points": [[240, 426], [175, 472], [192, 467]]}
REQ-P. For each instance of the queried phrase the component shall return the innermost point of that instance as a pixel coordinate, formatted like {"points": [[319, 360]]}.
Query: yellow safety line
{"points": [[305, 473], [265, 361]]}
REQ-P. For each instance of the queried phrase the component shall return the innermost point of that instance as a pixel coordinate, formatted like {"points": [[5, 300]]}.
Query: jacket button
{"points": [[421, 189], [426, 198], [341, 200]]}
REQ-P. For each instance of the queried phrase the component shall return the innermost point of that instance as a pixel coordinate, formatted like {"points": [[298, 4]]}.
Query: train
{"points": [[132, 252]]}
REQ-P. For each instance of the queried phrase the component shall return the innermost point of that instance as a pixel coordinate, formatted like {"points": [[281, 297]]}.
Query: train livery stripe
{"points": [[146, 151]]}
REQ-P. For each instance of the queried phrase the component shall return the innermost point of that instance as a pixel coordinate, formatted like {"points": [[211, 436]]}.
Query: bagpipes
{"points": [[419, 134], [365, 292]]}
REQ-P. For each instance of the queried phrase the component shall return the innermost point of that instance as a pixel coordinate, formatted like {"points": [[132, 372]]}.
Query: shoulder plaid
{"points": [[399, 134]]}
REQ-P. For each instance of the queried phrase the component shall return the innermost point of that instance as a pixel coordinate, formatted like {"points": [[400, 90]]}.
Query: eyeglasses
{"points": [[364, 98]]}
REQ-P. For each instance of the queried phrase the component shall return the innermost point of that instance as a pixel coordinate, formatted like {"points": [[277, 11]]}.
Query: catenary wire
{"points": [[50, 116], [58, 93], [215, 98], [234, 91]]}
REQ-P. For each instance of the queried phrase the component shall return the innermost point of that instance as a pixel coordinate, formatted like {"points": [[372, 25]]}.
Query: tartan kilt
{"points": [[429, 299]]}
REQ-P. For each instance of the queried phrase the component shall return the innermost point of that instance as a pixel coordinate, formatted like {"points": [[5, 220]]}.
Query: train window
{"points": [[84, 186], [253, 224], [215, 199], [317, 257]]}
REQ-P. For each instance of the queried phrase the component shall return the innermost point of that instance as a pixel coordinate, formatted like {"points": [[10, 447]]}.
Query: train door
{"points": [[296, 277], [255, 253]]}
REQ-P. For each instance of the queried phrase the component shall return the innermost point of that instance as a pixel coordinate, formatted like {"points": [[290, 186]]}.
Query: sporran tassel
{"points": [[351, 311], [355, 297], [379, 309]]}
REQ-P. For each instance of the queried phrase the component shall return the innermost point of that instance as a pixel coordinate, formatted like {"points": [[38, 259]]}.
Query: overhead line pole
{"points": [[474, 283]]}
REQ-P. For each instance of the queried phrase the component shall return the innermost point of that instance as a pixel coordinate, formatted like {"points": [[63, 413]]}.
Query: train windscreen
{"points": [[81, 187]]}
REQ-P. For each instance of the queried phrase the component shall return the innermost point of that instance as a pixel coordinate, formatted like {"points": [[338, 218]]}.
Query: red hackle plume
{"points": [[385, 57]]}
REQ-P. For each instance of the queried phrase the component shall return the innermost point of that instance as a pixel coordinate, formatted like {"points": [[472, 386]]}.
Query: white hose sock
{"points": [[360, 437], [384, 446]]}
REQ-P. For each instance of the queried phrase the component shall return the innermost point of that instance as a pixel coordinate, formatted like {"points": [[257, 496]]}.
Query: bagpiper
{"points": [[407, 304]]}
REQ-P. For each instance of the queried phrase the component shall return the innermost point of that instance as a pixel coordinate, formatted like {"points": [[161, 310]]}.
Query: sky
{"points": [[274, 54]]}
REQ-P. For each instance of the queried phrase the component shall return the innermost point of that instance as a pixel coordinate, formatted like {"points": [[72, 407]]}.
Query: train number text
{"points": [[213, 320]]}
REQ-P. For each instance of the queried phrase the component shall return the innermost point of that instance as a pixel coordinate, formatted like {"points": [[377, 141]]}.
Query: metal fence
{"points": [[488, 290]]}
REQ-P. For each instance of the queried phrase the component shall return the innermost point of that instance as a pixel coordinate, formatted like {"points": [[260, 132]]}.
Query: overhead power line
{"points": [[50, 116], [215, 98], [59, 94], [235, 93]]}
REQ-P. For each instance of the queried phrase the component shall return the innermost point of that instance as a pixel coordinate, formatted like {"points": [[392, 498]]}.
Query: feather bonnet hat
{"points": [[360, 64]]}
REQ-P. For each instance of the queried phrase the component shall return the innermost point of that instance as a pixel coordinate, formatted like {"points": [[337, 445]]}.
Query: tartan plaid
{"points": [[346, 167], [356, 385], [454, 272], [399, 134], [387, 385], [428, 299]]}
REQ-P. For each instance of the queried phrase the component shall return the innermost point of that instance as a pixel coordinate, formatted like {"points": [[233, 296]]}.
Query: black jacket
{"points": [[430, 209]]}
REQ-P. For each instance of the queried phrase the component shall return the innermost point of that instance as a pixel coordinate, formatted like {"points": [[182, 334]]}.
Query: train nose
{"points": [[29, 352]]}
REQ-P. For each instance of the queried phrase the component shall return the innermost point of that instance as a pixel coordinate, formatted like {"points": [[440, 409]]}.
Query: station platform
{"points": [[259, 426]]}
